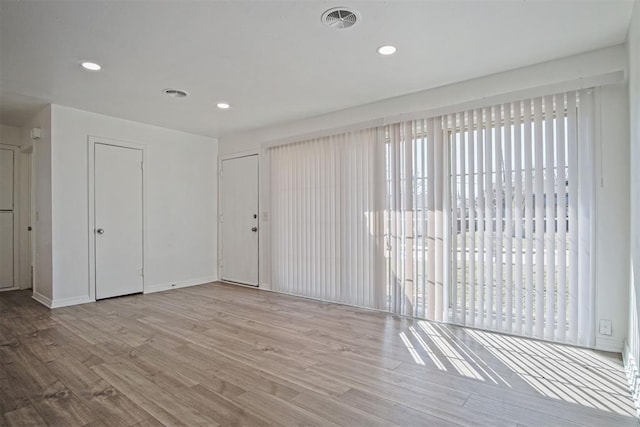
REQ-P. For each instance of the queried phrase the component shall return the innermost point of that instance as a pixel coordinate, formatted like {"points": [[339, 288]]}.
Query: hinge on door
{"points": [[141, 165], [142, 271]]}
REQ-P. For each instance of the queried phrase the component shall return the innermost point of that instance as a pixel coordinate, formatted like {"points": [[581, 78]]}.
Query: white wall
{"points": [[612, 214], [571, 72], [41, 150], [549, 73], [632, 347], [181, 197], [10, 135]]}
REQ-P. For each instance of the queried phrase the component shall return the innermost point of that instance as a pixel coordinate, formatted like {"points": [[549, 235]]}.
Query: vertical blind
{"points": [[326, 208], [480, 218], [521, 197]]}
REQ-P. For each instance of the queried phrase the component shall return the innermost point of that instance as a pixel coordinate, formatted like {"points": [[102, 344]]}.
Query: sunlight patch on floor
{"points": [[446, 353], [412, 350], [561, 372], [426, 348]]}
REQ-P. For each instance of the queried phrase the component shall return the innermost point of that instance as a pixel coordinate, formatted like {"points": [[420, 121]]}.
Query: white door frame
{"points": [[16, 216], [29, 152], [237, 155], [92, 141], [32, 215]]}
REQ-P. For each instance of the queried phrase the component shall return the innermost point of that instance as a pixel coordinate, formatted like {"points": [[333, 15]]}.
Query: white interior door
{"points": [[6, 219], [6, 249], [118, 221], [239, 225]]}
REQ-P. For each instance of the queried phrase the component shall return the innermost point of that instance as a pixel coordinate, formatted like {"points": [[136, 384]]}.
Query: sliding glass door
{"points": [[481, 218], [520, 222]]}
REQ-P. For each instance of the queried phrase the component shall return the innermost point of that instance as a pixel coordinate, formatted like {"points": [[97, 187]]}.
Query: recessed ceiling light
{"points": [[176, 93], [387, 50], [223, 105], [91, 66]]}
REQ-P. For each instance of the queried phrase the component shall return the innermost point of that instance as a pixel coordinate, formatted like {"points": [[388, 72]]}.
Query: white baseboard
{"points": [[148, 289], [48, 302], [609, 344], [244, 285], [65, 302], [633, 375], [42, 299]]}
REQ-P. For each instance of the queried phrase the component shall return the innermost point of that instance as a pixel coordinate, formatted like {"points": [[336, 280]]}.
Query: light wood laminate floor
{"points": [[220, 354]]}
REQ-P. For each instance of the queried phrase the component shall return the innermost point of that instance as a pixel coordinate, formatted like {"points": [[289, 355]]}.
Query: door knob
{"points": [[254, 229], [100, 231]]}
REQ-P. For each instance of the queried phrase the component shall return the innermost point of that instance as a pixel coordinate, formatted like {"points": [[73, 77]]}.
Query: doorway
{"points": [[117, 226], [239, 220]]}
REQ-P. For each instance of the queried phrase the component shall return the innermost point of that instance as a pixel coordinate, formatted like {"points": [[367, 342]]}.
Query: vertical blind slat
{"points": [[561, 188], [431, 223], [407, 292], [438, 219], [539, 218], [508, 233], [586, 177], [415, 221], [489, 227], [395, 227], [498, 217], [423, 146], [550, 220], [518, 200], [573, 216], [454, 222], [463, 220], [528, 172], [480, 267], [472, 219], [448, 292]]}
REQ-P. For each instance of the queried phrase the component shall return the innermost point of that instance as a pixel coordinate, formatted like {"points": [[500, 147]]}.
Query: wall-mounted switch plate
{"points": [[605, 327]]}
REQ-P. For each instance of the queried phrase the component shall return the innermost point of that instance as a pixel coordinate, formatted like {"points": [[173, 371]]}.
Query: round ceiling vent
{"points": [[176, 93], [340, 18]]}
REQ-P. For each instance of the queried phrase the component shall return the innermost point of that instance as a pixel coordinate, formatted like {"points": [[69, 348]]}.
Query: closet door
{"points": [[118, 220], [7, 277]]}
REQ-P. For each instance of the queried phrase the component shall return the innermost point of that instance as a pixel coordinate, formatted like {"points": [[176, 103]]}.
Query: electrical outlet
{"points": [[605, 327]]}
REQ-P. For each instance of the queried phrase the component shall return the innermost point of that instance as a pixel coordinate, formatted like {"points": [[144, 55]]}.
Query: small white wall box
{"points": [[36, 134]]}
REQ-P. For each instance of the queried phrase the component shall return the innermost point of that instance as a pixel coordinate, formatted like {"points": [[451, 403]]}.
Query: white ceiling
{"points": [[274, 61]]}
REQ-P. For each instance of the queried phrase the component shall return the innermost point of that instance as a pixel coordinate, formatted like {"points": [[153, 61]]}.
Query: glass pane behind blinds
{"points": [[510, 196]]}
